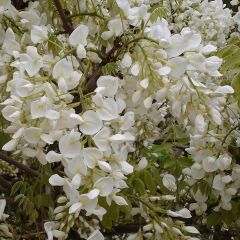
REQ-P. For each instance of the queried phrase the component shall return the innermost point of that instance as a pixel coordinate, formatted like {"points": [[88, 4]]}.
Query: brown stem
{"points": [[19, 165], [97, 70], [67, 25], [4, 183]]}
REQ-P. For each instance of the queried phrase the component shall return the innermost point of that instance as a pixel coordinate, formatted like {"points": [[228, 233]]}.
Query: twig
{"points": [[97, 71], [19, 165], [4, 183], [228, 134], [123, 229], [91, 14], [67, 25]]}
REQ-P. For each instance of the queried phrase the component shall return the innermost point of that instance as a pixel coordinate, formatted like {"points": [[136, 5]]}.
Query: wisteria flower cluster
{"points": [[119, 119]]}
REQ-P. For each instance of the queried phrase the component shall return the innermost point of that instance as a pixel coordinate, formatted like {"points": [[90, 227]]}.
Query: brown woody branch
{"points": [[111, 56], [19, 165], [4, 183], [67, 25]]}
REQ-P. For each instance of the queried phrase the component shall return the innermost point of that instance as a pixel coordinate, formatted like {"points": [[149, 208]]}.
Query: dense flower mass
{"points": [[124, 114]]}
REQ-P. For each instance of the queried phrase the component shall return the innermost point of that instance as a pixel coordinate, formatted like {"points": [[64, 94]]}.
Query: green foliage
{"points": [[231, 65], [158, 12], [4, 138], [32, 202], [229, 218], [114, 213], [213, 219], [54, 45], [110, 68]]}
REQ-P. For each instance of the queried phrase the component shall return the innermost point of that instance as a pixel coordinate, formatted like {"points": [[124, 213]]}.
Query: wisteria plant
{"points": [[120, 119]]}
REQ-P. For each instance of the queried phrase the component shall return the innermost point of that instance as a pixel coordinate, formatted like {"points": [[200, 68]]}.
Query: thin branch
{"points": [[97, 71], [19, 165], [4, 183], [228, 134], [67, 25], [111, 56], [124, 228], [91, 14]]}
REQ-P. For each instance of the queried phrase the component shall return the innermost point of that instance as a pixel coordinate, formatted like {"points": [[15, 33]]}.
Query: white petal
{"points": [[105, 185], [32, 135], [163, 71], [75, 207], [29, 152], [10, 146], [178, 66], [46, 138], [104, 166], [199, 122], [107, 35], [109, 110], [58, 234], [96, 236], [92, 123], [148, 102], [52, 114], [53, 157], [144, 83], [208, 49], [126, 61], [81, 52], [126, 167], [224, 162], [62, 69], [224, 89], [39, 34], [120, 200], [216, 116], [191, 229], [110, 85], [56, 180], [70, 145], [76, 181], [184, 213], [209, 164], [169, 182], [135, 69], [78, 119], [93, 194], [177, 45], [101, 139], [79, 36], [136, 96], [92, 156]]}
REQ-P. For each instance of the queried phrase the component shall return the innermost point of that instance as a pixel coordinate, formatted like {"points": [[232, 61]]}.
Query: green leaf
{"points": [[43, 200], [227, 217], [149, 182], [228, 51], [15, 188], [114, 211], [4, 138], [139, 186], [107, 221], [185, 162], [170, 163], [236, 83], [54, 45], [213, 219], [111, 215], [158, 12], [231, 61], [110, 68], [18, 197]]}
